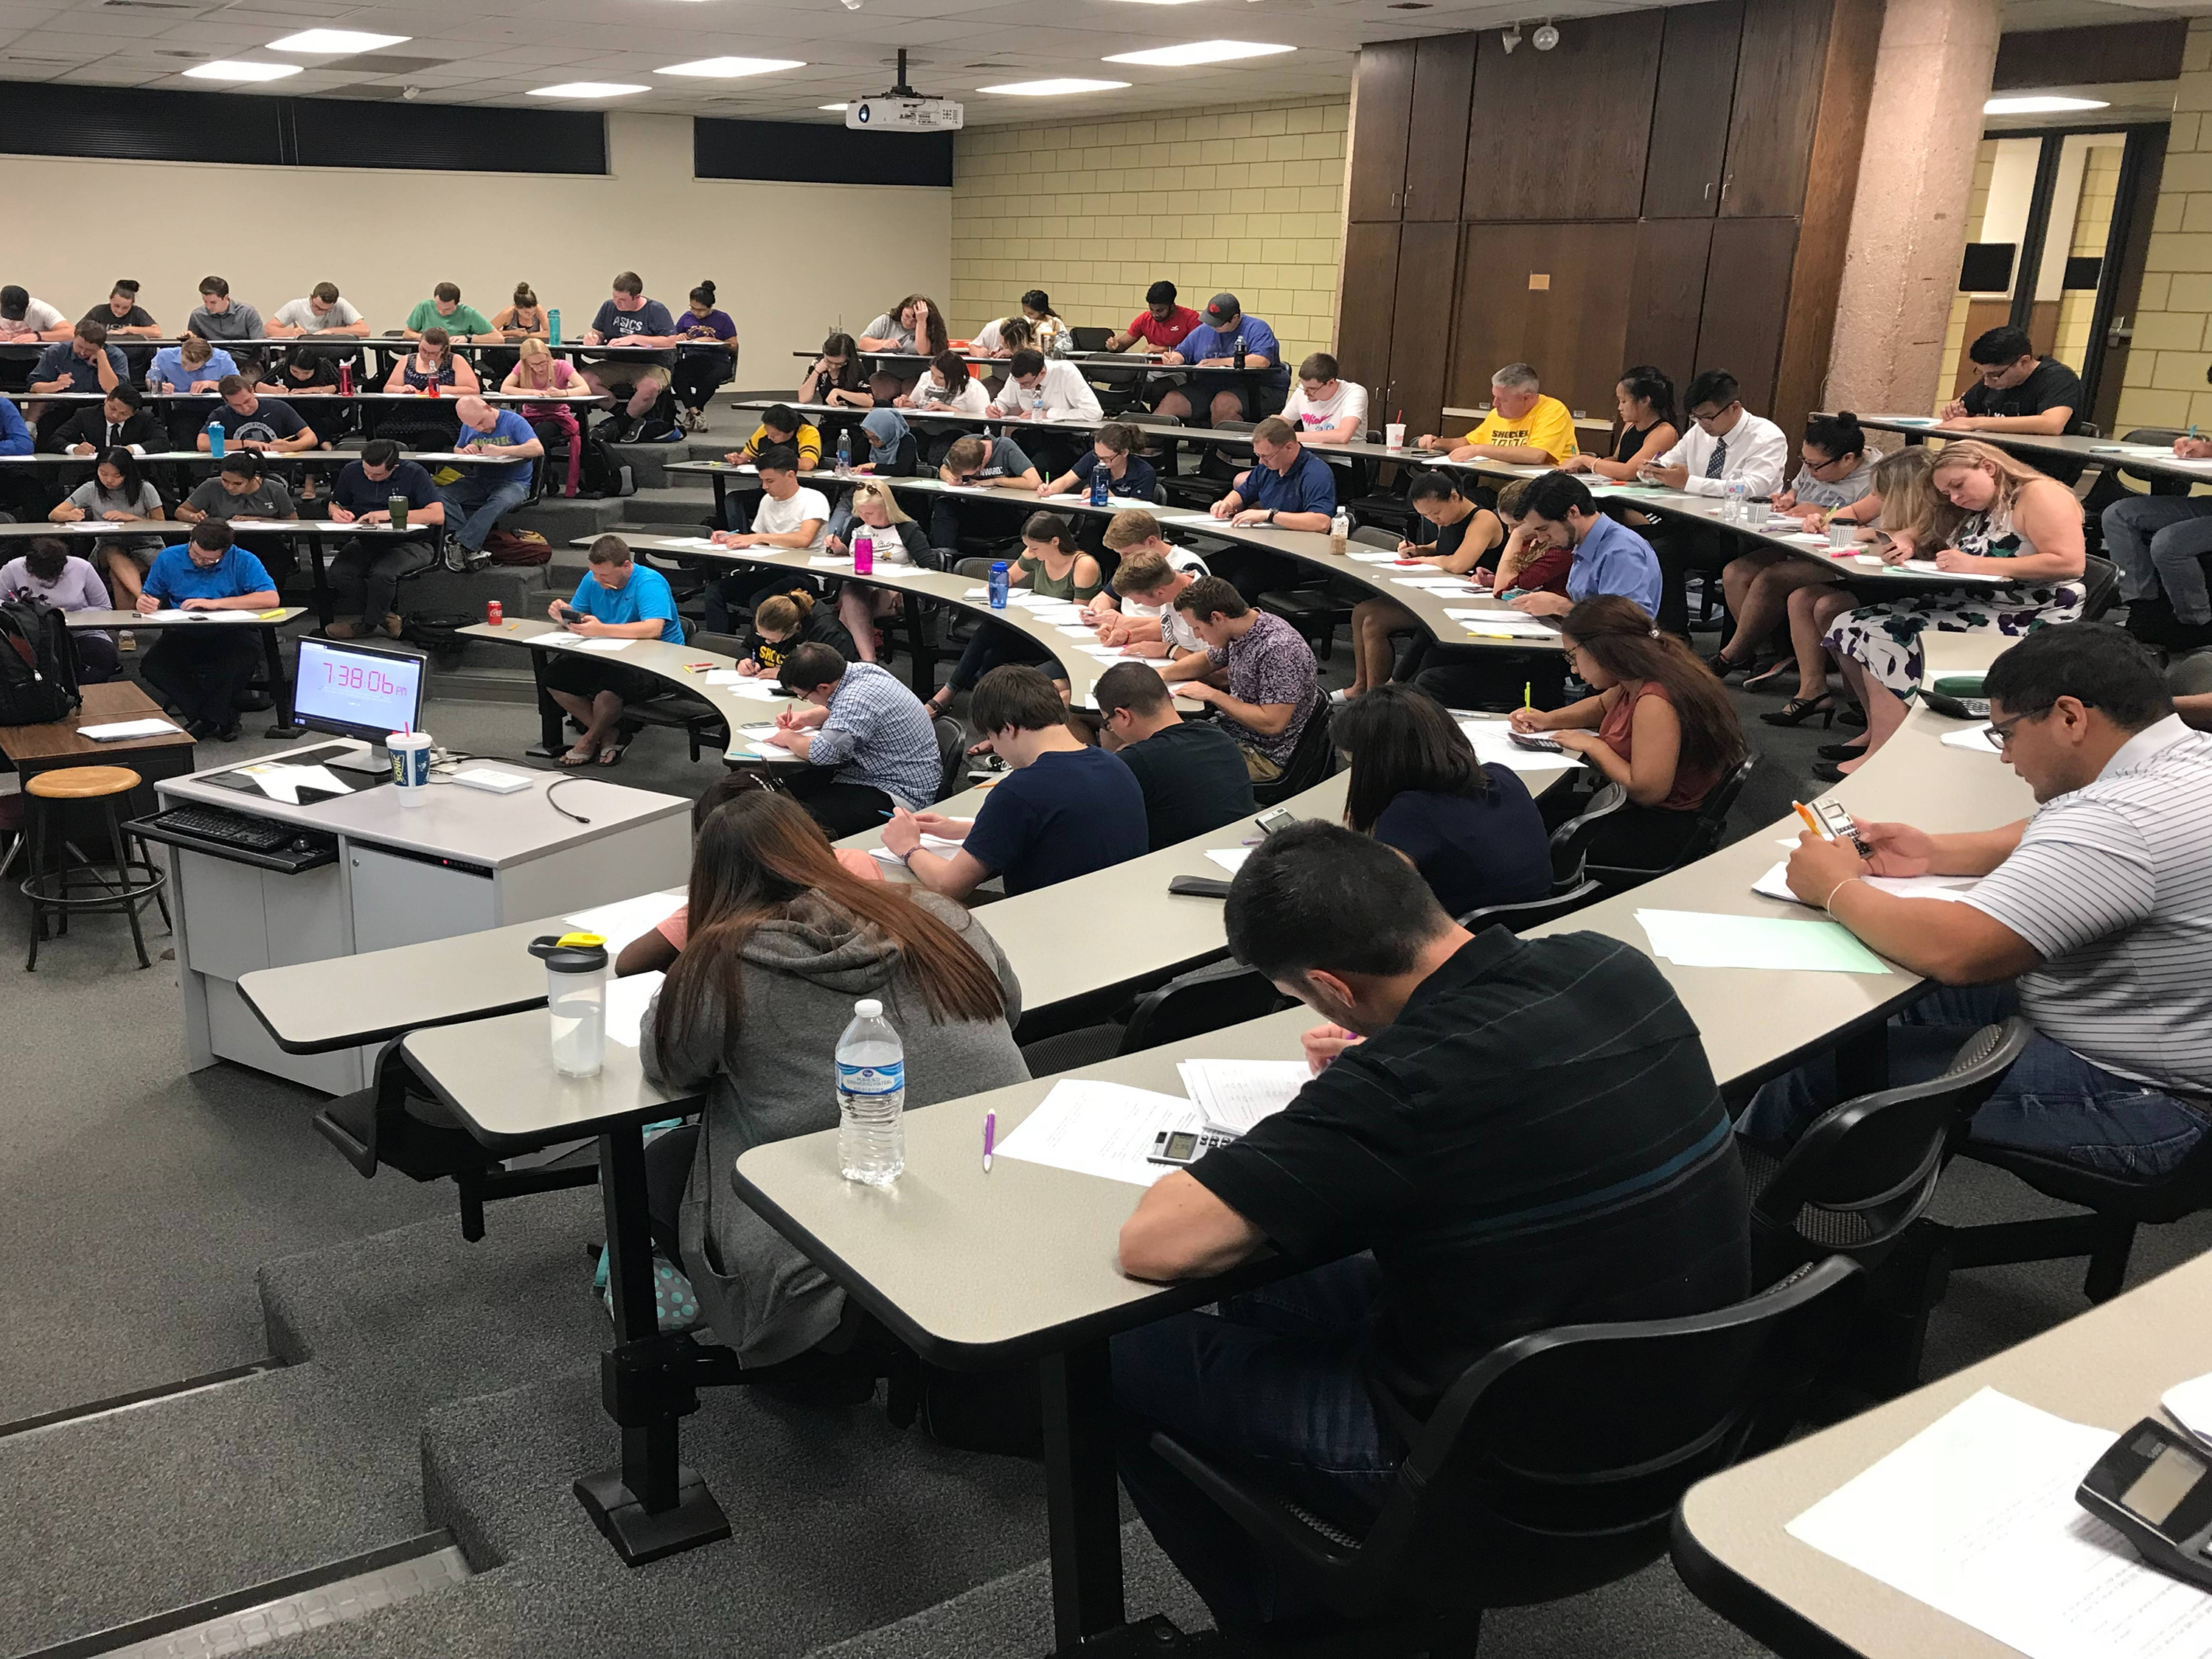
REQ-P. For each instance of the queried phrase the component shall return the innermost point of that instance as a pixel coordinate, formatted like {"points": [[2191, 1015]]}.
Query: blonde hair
{"points": [[2011, 476], [527, 364], [1910, 504], [881, 494], [783, 614], [1129, 528]]}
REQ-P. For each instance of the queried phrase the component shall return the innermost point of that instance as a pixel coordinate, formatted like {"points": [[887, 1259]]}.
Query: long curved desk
{"points": [[2151, 461]]}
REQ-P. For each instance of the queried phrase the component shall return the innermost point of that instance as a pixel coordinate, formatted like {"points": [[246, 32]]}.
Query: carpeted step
{"points": [[560, 518], [682, 505]]}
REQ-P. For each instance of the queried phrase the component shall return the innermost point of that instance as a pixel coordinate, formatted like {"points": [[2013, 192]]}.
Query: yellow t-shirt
{"points": [[1549, 427], [808, 443]]}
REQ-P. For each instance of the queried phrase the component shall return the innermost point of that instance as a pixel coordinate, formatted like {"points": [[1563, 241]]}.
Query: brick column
{"points": [[2165, 384], [1909, 217]]}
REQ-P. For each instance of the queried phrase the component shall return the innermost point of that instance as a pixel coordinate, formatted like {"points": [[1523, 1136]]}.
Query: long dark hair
{"points": [[1655, 387], [1618, 635], [753, 858], [854, 373], [936, 338], [1402, 738], [126, 463]]}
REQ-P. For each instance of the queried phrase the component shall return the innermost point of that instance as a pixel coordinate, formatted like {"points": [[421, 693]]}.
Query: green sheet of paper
{"points": [[1697, 938]]}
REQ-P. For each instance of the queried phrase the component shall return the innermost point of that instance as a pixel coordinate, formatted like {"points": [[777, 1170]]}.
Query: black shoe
{"points": [[1851, 714], [1798, 710], [198, 731], [231, 734], [1722, 665], [1840, 752], [1828, 774]]}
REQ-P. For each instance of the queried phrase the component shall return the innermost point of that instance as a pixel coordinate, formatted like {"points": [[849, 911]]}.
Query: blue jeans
{"points": [[2052, 1101], [475, 505], [1273, 1385], [2158, 542]]}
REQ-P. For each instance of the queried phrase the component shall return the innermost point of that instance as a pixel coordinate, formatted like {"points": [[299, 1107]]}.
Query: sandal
{"points": [[1798, 710], [1771, 679], [576, 757], [610, 755]]}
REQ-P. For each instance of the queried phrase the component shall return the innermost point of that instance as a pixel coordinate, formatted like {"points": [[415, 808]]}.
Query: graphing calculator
{"points": [[1276, 818], [2154, 1487], [1837, 821], [1185, 1146], [1530, 740]]}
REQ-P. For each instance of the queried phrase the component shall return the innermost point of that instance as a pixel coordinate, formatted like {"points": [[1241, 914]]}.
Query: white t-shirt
{"points": [[1175, 625], [929, 393], [300, 313], [1068, 395], [780, 518], [38, 316], [1350, 398], [987, 337]]}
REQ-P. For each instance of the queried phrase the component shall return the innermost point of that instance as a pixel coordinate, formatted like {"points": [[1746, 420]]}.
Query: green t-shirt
{"points": [[465, 319]]}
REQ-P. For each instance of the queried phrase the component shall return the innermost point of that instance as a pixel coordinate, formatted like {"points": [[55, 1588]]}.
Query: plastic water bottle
{"points": [[871, 1096], [1036, 401], [845, 450], [1732, 511], [1340, 531], [553, 327], [214, 439], [1001, 581], [1098, 480], [864, 553]]}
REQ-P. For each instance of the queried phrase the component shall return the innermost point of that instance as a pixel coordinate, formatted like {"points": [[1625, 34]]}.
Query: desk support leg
{"points": [[280, 683], [552, 742], [650, 1505], [320, 579], [1082, 1503], [721, 496]]}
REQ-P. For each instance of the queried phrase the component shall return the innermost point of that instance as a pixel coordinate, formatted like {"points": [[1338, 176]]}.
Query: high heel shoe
{"points": [[1771, 679], [1840, 752], [1722, 665], [1852, 715], [1798, 710]]}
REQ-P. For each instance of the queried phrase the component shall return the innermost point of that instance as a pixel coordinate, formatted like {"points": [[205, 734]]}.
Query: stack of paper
{"points": [[558, 637], [943, 845], [1231, 859], [1234, 1095], [1376, 557], [1492, 745], [1518, 623], [605, 645], [1976, 1516], [705, 544], [1979, 738], [202, 615], [116, 731], [626, 1003], [625, 920], [1697, 939], [1775, 884], [1098, 1128]]}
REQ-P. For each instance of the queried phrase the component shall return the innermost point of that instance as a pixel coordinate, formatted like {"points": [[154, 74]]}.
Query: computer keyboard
{"points": [[229, 828]]}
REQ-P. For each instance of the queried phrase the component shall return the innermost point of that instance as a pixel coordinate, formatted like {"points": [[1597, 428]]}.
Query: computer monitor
{"points": [[358, 690]]}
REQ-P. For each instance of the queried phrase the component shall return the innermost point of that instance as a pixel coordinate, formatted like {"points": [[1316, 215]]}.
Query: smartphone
{"points": [[1838, 823], [1536, 740], [1198, 887], [1182, 1147], [1278, 818]]}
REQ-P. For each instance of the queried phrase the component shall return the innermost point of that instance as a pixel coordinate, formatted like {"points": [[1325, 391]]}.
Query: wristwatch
{"points": [[1271, 515]]}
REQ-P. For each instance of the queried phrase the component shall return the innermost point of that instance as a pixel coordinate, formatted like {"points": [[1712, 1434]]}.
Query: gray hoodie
{"points": [[800, 978]]}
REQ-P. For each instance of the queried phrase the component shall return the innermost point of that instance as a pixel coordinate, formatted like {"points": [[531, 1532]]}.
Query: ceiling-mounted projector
{"points": [[904, 110]]}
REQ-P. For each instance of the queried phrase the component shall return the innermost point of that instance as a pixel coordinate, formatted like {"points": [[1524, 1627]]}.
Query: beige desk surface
{"points": [[2156, 460], [2106, 1367], [1754, 1024], [974, 1268], [498, 1075], [131, 619]]}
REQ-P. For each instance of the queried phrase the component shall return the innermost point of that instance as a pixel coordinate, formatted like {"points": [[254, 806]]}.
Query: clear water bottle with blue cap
{"points": [[870, 1097], [1098, 482], [1001, 580], [845, 450]]}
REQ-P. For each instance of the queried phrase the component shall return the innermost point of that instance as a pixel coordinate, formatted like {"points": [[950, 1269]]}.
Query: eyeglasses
{"points": [[2001, 730]]}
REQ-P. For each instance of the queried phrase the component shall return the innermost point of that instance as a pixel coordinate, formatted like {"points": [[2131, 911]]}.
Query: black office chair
{"points": [[1087, 338], [952, 755], [1705, 836], [1207, 999], [1534, 913], [677, 708], [1315, 611], [395, 1124], [2100, 583], [1570, 841], [1215, 475], [1551, 1467], [1313, 759]]}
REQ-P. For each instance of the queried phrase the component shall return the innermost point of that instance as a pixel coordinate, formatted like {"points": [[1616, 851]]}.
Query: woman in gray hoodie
{"points": [[782, 940]]}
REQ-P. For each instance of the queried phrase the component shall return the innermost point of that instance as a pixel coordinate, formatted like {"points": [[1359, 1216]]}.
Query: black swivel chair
{"points": [[1313, 759], [1191, 1005], [951, 754], [1704, 837], [1534, 913], [2100, 583], [679, 709], [1551, 1466]]}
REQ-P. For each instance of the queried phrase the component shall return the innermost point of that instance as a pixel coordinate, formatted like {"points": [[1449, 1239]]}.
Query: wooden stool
{"points": [[59, 871]]}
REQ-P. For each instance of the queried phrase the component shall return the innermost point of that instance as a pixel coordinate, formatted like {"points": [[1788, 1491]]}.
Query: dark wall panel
{"points": [[1563, 134], [800, 153], [1571, 327], [338, 132], [46, 119]]}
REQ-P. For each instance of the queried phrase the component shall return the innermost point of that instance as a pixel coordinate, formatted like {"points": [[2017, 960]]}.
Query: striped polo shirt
{"points": [[2112, 886]]}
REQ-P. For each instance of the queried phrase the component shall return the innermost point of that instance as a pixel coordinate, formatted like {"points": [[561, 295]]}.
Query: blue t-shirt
{"points": [[1308, 487], [1615, 559], [507, 427], [174, 578], [652, 318], [1472, 852], [1136, 482], [1065, 814], [169, 367], [1207, 341], [645, 595]]}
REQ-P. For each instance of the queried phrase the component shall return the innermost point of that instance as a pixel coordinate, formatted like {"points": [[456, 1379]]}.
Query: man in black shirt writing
{"points": [[1501, 1135], [2018, 392]]}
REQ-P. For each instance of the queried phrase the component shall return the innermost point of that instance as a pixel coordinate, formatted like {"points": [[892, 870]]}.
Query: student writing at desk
{"points": [[201, 670], [49, 572], [1192, 773], [2093, 918], [1065, 809], [116, 493], [1136, 609], [617, 599], [1051, 564], [1462, 536], [249, 421], [119, 421], [1523, 425], [869, 742], [1502, 1135], [362, 494], [1256, 671]]}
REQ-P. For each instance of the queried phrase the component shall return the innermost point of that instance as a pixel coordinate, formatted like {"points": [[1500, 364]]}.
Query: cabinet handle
{"points": [[1709, 190]]}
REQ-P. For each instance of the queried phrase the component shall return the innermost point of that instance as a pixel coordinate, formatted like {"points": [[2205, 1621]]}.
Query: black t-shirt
{"points": [[107, 318], [1065, 814], [1494, 850], [271, 421], [1537, 1141], [358, 493], [1194, 779], [2051, 385], [1445, 538]]}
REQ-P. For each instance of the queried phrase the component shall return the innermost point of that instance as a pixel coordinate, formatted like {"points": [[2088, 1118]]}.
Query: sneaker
{"points": [[393, 625], [698, 420], [1340, 696], [344, 630], [232, 732], [450, 550], [126, 640]]}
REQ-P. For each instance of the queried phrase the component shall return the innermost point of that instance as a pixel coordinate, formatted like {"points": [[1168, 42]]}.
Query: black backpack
{"points": [[604, 472], [38, 663]]}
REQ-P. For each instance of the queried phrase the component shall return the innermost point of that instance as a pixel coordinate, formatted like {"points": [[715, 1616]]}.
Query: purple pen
{"points": [[990, 1135]]}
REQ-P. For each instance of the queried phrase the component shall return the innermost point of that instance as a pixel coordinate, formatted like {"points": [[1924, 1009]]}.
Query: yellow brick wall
{"points": [[2092, 224], [2165, 384], [1955, 334], [1248, 199]]}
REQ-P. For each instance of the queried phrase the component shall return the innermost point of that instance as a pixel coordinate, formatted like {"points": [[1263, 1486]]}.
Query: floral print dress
{"points": [[1884, 637]]}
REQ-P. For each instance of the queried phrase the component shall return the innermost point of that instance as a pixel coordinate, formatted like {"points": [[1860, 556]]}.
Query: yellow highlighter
{"points": [[1526, 687]]}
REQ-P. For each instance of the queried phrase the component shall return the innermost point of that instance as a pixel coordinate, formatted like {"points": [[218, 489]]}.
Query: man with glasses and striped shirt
{"points": [[2093, 918]]}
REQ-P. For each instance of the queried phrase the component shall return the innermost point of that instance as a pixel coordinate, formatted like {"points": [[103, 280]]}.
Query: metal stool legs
{"points": [[57, 876]]}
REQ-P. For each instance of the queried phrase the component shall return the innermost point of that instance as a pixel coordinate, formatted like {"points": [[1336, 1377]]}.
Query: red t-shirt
{"points": [[1165, 336]]}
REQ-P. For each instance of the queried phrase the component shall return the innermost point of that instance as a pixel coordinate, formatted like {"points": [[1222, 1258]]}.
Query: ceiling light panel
{"points": [[1199, 52], [331, 42], [226, 69], [1059, 89]]}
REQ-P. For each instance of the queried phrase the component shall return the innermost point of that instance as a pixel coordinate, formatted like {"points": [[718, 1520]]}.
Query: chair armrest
{"points": [[1264, 1519]]}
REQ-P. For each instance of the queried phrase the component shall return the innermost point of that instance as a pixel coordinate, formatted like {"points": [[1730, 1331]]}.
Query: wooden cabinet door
{"points": [[1746, 300], [1690, 120], [1436, 148], [1779, 69], [1365, 305], [1382, 112], [1667, 296], [1552, 295], [1563, 134], [1420, 328]]}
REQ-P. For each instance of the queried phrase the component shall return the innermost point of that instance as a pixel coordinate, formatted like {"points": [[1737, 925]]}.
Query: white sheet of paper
{"points": [[702, 542], [626, 920], [1699, 938], [109, 731], [1976, 1516], [1231, 859], [2190, 1404], [605, 645], [202, 615], [283, 783], [1095, 1128], [1491, 744], [626, 1003], [1775, 884], [829, 562], [749, 685], [558, 637], [1502, 621], [1978, 738], [1378, 557], [1075, 633], [1032, 601], [940, 845], [1234, 1095]]}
